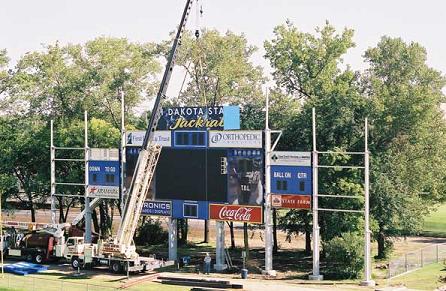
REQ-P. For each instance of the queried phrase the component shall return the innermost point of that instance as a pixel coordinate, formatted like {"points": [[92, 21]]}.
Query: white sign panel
{"points": [[161, 137], [235, 139], [111, 192], [291, 159], [97, 154]]}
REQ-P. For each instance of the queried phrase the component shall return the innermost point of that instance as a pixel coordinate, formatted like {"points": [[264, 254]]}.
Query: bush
{"points": [[344, 256], [151, 232]]}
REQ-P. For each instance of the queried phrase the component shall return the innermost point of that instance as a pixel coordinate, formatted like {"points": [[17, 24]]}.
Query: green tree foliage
{"points": [[63, 81], [304, 64], [407, 137], [307, 67], [399, 93], [4, 75], [59, 83], [219, 70], [344, 256], [24, 163]]}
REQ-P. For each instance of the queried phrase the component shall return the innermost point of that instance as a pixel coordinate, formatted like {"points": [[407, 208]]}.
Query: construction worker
{"points": [[207, 264]]}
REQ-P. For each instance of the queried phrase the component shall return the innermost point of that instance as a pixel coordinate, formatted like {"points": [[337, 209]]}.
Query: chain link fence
{"points": [[416, 259], [30, 283]]}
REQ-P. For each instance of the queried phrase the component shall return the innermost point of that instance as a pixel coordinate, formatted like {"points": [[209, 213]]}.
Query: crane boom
{"points": [[147, 160]]}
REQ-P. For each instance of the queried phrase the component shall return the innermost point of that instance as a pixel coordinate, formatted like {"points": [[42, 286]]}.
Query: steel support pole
{"points": [[53, 174], [172, 226], [367, 261], [122, 151], [87, 236], [316, 271], [267, 209], [220, 247]]}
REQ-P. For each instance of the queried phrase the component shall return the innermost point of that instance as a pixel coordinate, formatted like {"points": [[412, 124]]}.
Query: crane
{"points": [[122, 244]]}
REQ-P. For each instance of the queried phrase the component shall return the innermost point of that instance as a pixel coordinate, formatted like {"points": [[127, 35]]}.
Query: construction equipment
{"points": [[39, 245], [120, 253]]}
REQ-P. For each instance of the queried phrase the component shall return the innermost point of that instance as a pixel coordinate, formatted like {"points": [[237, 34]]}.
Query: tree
{"points": [[4, 75], [407, 137], [219, 70], [304, 64], [24, 164], [63, 81], [306, 68]]}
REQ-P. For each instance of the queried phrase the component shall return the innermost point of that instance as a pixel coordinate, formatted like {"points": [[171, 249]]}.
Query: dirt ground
{"points": [[285, 262]]}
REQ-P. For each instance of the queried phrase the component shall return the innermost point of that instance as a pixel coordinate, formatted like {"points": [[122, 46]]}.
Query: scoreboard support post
{"points": [[172, 225], [220, 247], [268, 210]]}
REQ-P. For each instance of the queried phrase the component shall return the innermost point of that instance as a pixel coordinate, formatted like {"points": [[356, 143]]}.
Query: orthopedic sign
{"points": [[235, 139], [237, 213]]}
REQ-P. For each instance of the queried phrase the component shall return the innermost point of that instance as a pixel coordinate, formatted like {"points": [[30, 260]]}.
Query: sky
{"points": [[25, 25]]}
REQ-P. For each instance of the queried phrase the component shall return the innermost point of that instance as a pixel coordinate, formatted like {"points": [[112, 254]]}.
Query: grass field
{"points": [[435, 223], [426, 278]]}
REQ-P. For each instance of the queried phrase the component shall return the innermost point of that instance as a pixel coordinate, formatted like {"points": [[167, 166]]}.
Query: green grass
{"points": [[422, 279], [435, 223]]}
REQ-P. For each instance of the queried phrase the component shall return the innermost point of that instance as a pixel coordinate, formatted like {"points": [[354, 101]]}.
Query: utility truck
{"points": [[40, 243], [119, 253]]}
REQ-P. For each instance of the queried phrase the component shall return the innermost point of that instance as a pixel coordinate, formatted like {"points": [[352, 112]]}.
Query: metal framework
{"points": [[54, 183], [316, 235]]}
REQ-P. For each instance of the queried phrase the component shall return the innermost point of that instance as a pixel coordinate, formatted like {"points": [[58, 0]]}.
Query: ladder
{"points": [[123, 242], [138, 191]]}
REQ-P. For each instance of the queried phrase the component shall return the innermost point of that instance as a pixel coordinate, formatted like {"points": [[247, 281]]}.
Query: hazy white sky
{"points": [[27, 24]]}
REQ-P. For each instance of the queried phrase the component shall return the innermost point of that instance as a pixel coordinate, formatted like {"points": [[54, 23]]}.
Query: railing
{"points": [[31, 283], [416, 260]]}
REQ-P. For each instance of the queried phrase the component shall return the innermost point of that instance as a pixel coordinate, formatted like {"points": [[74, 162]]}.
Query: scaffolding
{"points": [[316, 235], [85, 160]]}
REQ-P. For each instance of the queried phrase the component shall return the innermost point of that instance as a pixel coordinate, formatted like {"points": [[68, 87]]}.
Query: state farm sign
{"points": [[239, 213], [291, 201]]}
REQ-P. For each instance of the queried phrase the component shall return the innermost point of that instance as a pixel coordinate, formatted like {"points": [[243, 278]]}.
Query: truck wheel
{"points": [[75, 263], [116, 267], [38, 259]]}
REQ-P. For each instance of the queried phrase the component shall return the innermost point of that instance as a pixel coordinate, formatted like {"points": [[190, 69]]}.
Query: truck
{"points": [[41, 245], [119, 252]]}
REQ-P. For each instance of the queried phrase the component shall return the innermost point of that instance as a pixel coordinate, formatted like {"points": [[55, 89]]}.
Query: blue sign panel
{"points": [[153, 207], [199, 118], [190, 209], [103, 173], [291, 180]]}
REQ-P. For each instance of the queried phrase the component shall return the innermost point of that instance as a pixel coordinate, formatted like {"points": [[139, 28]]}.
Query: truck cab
{"points": [[74, 247]]}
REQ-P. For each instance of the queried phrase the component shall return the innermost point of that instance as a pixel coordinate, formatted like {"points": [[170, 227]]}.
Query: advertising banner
{"points": [[291, 201], [244, 176], [237, 213], [100, 154], [161, 137], [97, 191], [213, 117], [160, 208], [291, 180], [291, 158], [235, 139]]}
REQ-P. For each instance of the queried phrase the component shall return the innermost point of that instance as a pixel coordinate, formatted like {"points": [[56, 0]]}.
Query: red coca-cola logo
{"points": [[252, 214]]}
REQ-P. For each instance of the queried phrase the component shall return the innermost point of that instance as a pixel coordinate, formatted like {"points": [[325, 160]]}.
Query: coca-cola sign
{"points": [[239, 213]]}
